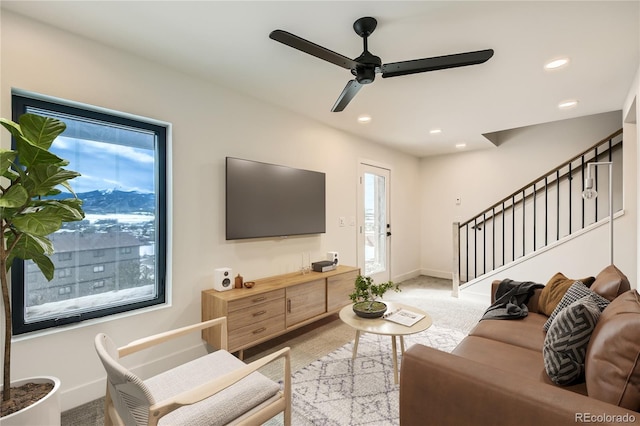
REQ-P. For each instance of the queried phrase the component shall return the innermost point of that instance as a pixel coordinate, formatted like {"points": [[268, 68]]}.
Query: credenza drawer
{"points": [[249, 301], [255, 313], [253, 332]]}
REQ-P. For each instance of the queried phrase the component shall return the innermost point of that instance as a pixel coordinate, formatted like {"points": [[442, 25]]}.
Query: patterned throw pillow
{"points": [[565, 345], [575, 292]]}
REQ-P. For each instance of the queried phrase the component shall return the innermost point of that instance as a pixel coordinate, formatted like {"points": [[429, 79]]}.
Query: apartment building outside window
{"points": [[115, 259]]}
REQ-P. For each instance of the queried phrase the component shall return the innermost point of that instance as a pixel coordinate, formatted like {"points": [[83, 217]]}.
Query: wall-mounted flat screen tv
{"points": [[269, 200]]}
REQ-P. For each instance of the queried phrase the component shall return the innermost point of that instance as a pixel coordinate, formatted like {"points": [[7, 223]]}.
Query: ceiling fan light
{"points": [[556, 64]]}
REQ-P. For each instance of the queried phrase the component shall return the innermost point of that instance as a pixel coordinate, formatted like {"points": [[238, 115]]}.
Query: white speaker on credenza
{"points": [[332, 256], [222, 279]]}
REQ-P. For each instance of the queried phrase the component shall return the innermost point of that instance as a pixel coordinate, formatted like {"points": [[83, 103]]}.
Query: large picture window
{"points": [[115, 259]]}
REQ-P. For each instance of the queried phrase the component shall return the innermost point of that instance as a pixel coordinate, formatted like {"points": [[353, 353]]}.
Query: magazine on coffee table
{"points": [[404, 317]]}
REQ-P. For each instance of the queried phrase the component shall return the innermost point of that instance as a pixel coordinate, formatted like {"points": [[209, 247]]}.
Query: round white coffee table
{"points": [[385, 327]]}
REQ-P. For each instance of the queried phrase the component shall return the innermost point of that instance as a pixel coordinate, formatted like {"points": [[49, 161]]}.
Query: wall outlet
{"points": [[458, 201]]}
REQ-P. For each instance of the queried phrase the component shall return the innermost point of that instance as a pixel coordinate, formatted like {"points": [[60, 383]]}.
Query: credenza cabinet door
{"points": [[339, 288], [305, 301]]}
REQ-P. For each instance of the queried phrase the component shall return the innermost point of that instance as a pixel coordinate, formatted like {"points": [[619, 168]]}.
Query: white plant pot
{"points": [[45, 412]]}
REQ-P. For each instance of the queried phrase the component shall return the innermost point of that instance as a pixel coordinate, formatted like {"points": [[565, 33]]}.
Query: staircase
{"points": [[543, 212]]}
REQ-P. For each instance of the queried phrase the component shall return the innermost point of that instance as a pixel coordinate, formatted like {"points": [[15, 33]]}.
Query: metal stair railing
{"points": [[540, 213]]}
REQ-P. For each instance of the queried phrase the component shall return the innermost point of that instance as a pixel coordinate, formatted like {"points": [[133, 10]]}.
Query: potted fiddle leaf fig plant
{"points": [[364, 297], [31, 209]]}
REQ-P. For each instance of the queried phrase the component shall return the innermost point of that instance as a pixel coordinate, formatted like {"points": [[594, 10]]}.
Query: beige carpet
{"points": [[312, 342]]}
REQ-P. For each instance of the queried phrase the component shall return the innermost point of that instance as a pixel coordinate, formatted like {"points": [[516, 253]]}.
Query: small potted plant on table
{"points": [[364, 297]]}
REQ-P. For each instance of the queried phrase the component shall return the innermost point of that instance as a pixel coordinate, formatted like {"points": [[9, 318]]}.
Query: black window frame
{"points": [[19, 104]]}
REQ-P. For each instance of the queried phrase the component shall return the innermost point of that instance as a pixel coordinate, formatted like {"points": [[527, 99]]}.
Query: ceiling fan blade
{"points": [[348, 93], [313, 49], [395, 69]]}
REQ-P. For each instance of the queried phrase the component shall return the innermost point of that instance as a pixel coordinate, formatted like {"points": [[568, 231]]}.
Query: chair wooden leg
{"points": [[108, 404], [287, 390], [287, 410]]}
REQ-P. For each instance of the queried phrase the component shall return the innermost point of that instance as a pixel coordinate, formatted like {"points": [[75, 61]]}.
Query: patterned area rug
{"points": [[335, 390]]}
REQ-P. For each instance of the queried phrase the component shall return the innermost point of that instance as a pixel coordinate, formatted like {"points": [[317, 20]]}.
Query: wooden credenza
{"points": [[276, 305]]}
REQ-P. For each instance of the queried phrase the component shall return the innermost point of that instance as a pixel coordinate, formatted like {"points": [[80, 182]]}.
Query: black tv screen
{"points": [[268, 200]]}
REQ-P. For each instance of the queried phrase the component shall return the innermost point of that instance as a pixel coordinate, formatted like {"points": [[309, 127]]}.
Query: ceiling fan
{"points": [[366, 66]]}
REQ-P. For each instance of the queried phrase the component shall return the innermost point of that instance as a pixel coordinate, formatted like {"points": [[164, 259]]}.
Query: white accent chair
{"points": [[215, 389]]}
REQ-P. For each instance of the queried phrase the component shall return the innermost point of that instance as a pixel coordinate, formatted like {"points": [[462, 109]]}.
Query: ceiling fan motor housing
{"points": [[367, 67], [365, 74]]}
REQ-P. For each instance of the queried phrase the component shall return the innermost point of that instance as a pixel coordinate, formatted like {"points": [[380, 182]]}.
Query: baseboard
{"points": [[87, 392], [416, 273], [407, 276], [90, 391], [437, 274]]}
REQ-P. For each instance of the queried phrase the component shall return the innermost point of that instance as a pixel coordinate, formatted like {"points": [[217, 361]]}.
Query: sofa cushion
{"points": [[613, 356], [555, 289], [575, 292], [565, 345], [513, 360], [525, 332], [610, 283]]}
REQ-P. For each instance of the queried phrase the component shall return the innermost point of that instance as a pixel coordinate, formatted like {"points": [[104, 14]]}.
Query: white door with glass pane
{"points": [[374, 226]]}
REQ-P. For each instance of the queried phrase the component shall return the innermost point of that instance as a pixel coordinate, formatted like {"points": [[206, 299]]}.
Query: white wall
{"points": [[481, 178], [209, 123]]}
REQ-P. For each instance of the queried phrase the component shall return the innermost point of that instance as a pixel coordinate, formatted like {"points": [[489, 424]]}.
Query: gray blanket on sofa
{"points": [[511, 300]]}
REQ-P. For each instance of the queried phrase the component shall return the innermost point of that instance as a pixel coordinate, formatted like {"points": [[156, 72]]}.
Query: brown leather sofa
{"points": [[497, 376]]}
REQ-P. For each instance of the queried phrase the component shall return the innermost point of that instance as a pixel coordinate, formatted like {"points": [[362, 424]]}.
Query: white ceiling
{"points": [[228, 43]]}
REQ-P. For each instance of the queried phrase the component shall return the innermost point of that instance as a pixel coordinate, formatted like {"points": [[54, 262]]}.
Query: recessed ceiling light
{"points": [[568, 104], [556, 63], [364, 119], [461, 145], [435, 131]]}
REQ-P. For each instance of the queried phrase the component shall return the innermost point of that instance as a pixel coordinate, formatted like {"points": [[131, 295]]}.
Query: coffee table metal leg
{"points": [[355, 345], [395, 359]]}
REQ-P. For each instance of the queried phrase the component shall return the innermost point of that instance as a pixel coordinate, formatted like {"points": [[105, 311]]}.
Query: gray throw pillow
{"points": [[565, 345], [575, 292]]}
